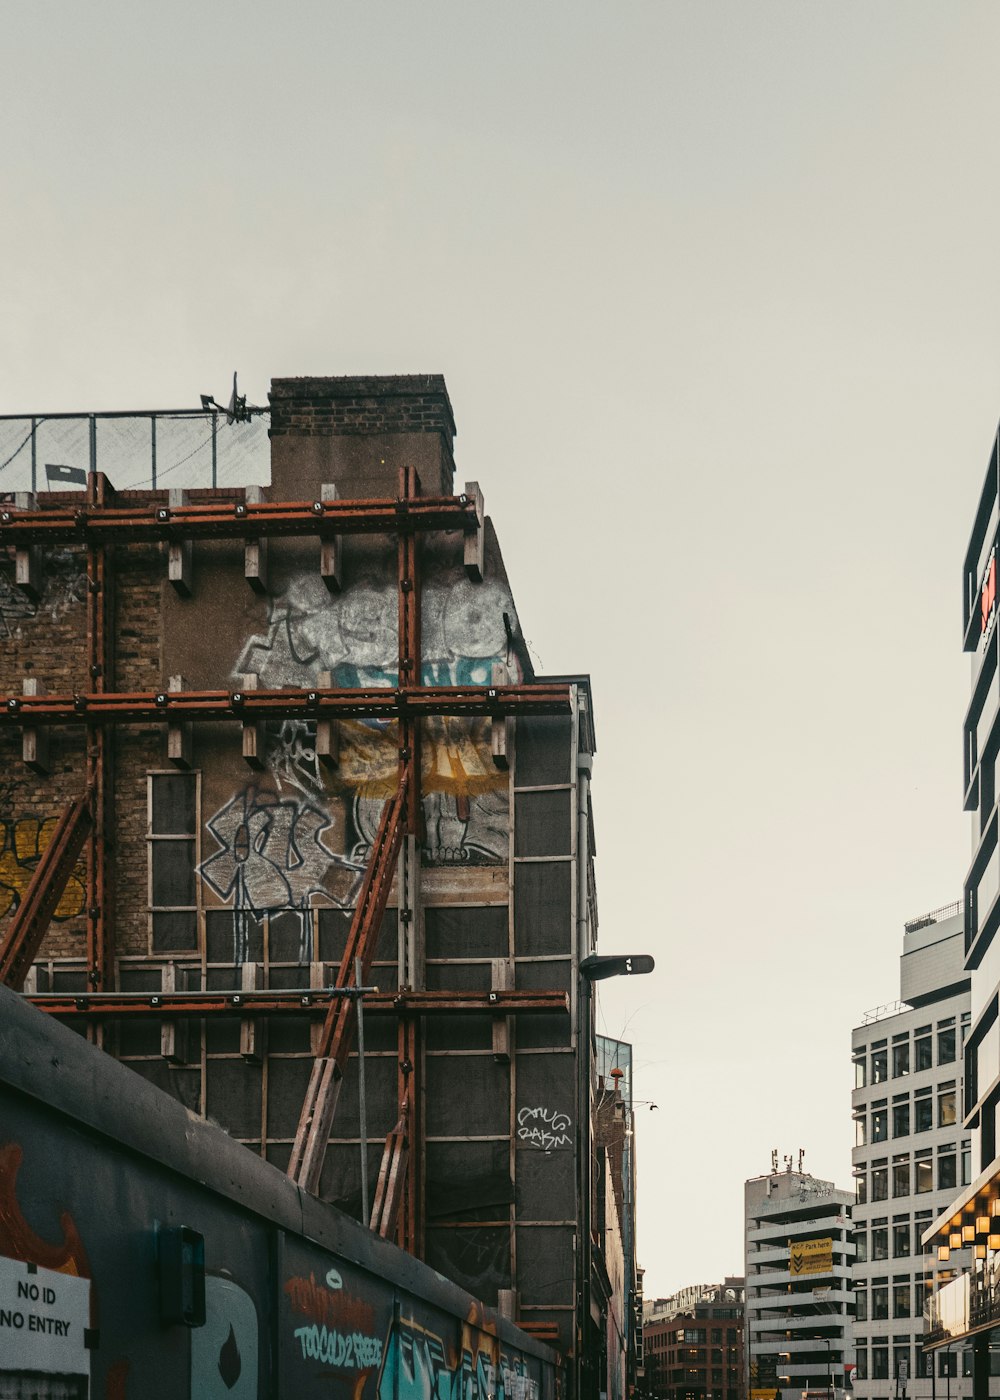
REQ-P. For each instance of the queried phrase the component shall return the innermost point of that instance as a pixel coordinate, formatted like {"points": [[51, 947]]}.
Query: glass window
{"points": [[861, 1364], [173, 806], [923, 1172], [880, 1122], [946, 1104], [900, 1058], [860, 1068], [880, 1240], [947, 1175], [946, 1041], [901, 1177], [860, 1130], [966, 1361], [880, 1065], [966, 1162], [861, 1246], [880, 1302], [947, 1363], [861, 1186], [901, 1359], [923, 1112], [716, 1334], [880, 1363], [880, 1182], [901, 1300], [922, 1050], [860, 1305], [900, 1238], [901, 1119]]}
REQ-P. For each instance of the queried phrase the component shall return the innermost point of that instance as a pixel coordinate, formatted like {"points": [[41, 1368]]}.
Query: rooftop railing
{"points": [[155, 450]]}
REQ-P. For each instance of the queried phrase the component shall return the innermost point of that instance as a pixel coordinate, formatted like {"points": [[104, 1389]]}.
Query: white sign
{"points": [[43, 1317]]}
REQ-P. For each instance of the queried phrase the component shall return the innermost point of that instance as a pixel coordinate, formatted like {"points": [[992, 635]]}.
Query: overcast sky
{"points": [[715, 290]]}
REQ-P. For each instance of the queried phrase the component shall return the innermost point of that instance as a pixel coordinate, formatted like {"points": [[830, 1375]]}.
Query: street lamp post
{"points": [[592, 969]]}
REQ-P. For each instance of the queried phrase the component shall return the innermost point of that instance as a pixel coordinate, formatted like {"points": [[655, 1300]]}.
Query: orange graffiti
{"points": [[328, 1307], [23, 842], [455, 758], [19, 1241]]}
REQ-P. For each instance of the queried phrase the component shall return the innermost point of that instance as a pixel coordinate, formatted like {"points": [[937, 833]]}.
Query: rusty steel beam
{"points": [[303, 1002], [176, 706], [100, 748], [312, 1135], [136, 524], [45, 889]]}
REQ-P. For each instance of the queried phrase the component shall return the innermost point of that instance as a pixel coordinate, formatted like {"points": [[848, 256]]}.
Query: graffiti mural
{"points": [[22, 843], [545, 1128], [19, 1241], [339, 1331], [64, 586], [417, 1366], [353, 635], [271, 856]]}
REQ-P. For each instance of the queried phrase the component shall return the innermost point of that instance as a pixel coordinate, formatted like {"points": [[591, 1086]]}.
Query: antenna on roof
{"points": [[236, 410]]}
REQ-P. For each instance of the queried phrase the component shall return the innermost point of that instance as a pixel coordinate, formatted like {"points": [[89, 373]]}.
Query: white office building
{"points": [[910, 1158], [797, 1336]]}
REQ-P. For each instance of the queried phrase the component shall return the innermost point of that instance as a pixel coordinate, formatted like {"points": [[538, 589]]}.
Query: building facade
{"points": [[335, 747], [695, 1351], [965, 1306], [799, 1252], [910, 1156]]}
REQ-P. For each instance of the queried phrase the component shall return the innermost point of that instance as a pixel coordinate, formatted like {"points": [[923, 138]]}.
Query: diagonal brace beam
{"points": [[309, 1148], [34, 913]]}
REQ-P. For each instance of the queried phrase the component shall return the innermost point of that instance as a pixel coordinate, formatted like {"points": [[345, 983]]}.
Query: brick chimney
{"points": [[357, 431]]}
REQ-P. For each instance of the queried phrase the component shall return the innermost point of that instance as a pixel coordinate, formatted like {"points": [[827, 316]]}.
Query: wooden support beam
{"points": [[34, 741], [331, 547], [31, 918], [180, 553], [502, 980], [27, 559], [327, 732], [180, 744], [309, 1148], [475, 538], [173, 1031], [391, 1178], [253, 1031], [254, 739], [255, 549]]}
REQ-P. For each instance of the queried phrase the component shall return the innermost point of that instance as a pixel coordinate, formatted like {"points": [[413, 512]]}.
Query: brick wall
{"points": [[405, 403]]}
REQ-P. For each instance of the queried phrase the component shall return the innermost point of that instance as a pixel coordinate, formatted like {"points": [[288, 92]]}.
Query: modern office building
{"points": [[910, 1156], [273, 695], [694, 1348], [799, 1252], [965, 1307]]}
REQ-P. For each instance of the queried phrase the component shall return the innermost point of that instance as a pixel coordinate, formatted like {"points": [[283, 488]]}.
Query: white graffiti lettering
{"points": [[545, 1128], [349, 1351]]}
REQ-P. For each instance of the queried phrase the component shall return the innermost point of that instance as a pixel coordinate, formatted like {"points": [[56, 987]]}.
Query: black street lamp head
{"points": [[596, 968]]}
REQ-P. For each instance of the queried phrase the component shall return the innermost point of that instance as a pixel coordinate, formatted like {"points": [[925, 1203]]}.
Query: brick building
{"points": [[333, 717], [696, 1354]]}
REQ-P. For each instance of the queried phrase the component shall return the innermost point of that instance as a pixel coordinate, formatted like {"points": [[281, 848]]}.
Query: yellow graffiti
{"points": [[454, 758], [23, 843]]}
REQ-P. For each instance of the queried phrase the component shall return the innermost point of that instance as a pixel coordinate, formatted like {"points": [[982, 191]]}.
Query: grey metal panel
{"points": [[542, 905], [456, 931], [467, 1097], [543, 823], [543, 750]]}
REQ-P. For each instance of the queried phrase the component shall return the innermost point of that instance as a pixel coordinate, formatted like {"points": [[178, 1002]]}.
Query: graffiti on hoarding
{"points": [[354, 636], [341, 1329], [545, 1128], [417, 1366], [19, 1241], [22, 844], [271, 856], [345, 1351]]}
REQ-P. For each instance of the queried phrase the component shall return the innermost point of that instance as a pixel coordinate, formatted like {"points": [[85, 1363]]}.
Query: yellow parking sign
{"points": [[810, 1256]]}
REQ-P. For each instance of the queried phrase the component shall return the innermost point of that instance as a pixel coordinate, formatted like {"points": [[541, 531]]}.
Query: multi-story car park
{"points": [[798, 1314], [910, 1156]]}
